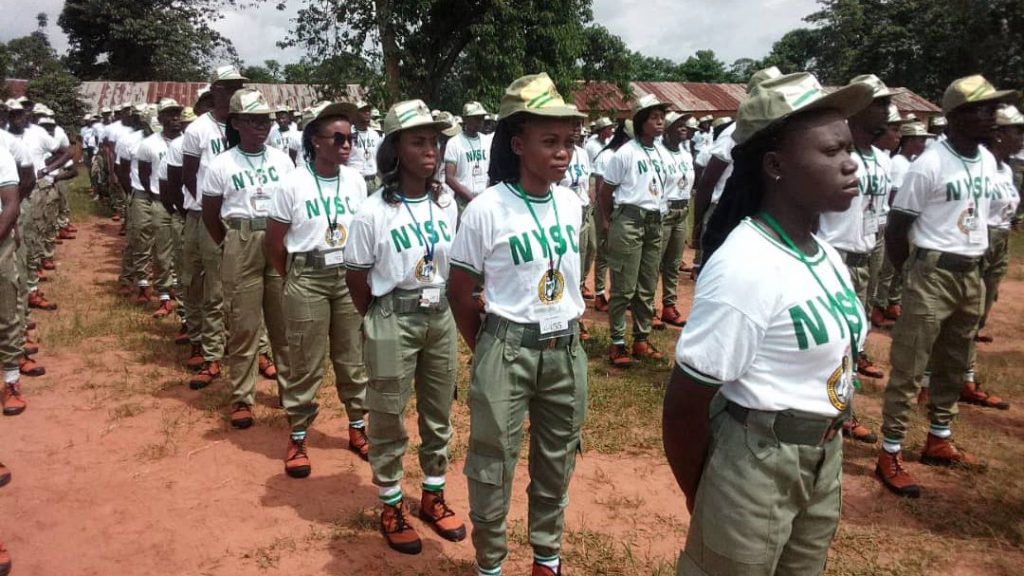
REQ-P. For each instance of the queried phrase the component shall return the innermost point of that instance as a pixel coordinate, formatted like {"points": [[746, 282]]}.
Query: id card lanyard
{"points": [[657, 171], [430, 244], [854, 335], [552, 268], [972, 213], [332, 225]]}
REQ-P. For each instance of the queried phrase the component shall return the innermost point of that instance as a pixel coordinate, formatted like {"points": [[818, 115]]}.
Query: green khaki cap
{"points": [[602, 123], [692, 123], [707, 118], [645, 102], [915, 129], [333, 109], [47, 120], [139, 109], [13, 104], [972, 89], [938, 121], [411, 114], [779, 98], [106, 110], [535, 94], [226, 74], [473, 108], [188, 114], [761, 76], [447, 118], [721, 121], [166, 104], [911, 117], [894, 115], [249, 101], [878, 88], [1009, 116]]}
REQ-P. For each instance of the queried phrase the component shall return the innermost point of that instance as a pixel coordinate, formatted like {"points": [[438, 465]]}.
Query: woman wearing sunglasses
{"points": [[307, 232], [239, 187], [520, 238], [397, 265]]}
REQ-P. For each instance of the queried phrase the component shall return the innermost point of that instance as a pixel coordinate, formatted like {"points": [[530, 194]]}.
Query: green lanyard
{"points": [[872, 176], [263, 161], [518, 190], [657, 171], [970, 177], [854, 335], [332, 224]]}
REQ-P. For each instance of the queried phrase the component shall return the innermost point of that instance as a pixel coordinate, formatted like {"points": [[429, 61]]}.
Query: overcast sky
{"points": [[673, 29]]}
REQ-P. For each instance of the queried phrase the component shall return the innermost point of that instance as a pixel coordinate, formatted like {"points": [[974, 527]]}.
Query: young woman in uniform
{"points": [[397, 262], [577, 179], [519, 237], [309, 226], [760, 388]]}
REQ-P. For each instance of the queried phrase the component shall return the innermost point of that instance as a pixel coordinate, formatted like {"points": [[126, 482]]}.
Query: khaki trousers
{"points": [[634, 251], [11, 328], [587, 243], [201, 278], [673, 242]]}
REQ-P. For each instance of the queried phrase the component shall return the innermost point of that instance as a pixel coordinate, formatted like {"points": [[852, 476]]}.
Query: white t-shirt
{"points": [[600, 162], [97, 133], [900, 165], [392, 241], [577, 176], [173, 157], [593, 146], [293, 142], [8, 171], [471, 158], [204, 139], [246, 182], [112, 131], [39, 145], [680, 178], [364, 151], [1005, 199], [152, 150], [640, 174], [949, 194], [722, 149], [126, 150], [856, 229], [16, 148], [763, 328], [306, 208], [498, 240]]}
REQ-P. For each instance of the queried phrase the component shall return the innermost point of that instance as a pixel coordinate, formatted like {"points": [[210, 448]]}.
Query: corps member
{"points": [[310, 222], [397, 262], [635, 182], [938, 235], [622, 135], [11, 328], [519, 238], [765, 365], [238, 191], [467, 156], [365, 141], [679, 181], [577, 179]]}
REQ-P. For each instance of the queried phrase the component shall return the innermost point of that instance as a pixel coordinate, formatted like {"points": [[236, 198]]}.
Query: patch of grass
{"points": [[127, 410], [597, 554], [268, 556]]}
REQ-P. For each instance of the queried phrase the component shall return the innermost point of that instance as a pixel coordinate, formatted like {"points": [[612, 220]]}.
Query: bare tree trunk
{"points": [[389, 47]]}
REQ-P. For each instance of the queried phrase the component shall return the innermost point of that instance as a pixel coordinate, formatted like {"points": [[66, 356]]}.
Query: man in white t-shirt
{"points": [[604, 128], [128, 173], [365, 141], [467, 157], [11, 330], [118, 190], [938, 235]]}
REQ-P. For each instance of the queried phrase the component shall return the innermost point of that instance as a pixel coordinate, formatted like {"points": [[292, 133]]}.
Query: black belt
{"points": [[953, 262], [856, 260], [531, 336], [410, 301], [317, 259], [254, 224], [790, 428], [142, 194], [678, 204], [639, 214]]}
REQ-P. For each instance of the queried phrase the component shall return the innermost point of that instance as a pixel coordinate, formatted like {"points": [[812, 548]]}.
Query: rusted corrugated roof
{"points": [[697, 97]]}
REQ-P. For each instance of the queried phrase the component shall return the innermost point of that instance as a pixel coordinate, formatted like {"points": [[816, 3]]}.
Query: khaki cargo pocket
{"points": [[512, 344], [384, 396], [381, 348], [486, 486]]}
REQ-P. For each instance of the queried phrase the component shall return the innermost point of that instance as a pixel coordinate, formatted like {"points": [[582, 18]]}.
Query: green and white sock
{"points": [[433, 483], [891, 446], [549, 561], [298, 435], [488, 571], [360, 424], [390, 495], [940, 431]]}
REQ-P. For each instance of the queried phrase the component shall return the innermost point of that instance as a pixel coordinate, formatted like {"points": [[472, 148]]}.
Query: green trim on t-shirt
{"points": [[817, 258]]}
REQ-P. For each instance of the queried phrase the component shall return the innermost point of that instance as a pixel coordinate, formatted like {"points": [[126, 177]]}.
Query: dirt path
{"points": [[120, 469]]}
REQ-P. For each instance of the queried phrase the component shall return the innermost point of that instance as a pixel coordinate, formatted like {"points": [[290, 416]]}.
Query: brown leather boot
{"points": [[973, 394], [586, 293], [65, 234], [941, 452], [671, 315], [267, 368], [49, 264], [656, 323], [890, 471], [144, 295], [542, 570], [41, 276], [984, 338], [297, 464], [5, 475], [14, 403], [181, 338], [435, 512], [922, 396], [853, 429], [396, 529], [601, 303], [865, 367], [5, 561], [893, 312], [619, 356], [644, 349], [29, 367], [878, 319], [358, 442], [166, 309], [30, 347], [207, 374], [71, 229], [116, 217], [195, 359], [241, 416], [38, 301]]}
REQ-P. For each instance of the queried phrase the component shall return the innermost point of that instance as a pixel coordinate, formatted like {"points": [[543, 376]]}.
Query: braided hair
{"points": [[390, 172]]}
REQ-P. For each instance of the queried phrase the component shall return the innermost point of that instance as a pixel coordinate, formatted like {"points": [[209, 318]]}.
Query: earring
{"points": [[778, 178]]}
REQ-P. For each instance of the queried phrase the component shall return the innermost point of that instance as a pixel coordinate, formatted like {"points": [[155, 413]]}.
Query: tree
{"points": [[268, 73], [32, 57], [704, 66], [796, 51], [145, 39]]}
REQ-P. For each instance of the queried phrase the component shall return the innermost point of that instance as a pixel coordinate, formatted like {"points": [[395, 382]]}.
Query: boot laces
{"points": [[439, 507]]}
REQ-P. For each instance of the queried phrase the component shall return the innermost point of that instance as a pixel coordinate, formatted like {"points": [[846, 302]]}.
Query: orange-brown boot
{"points": [[144, 295], [48, 264], [894, 477], [865, 367], [922, 396], [65, 234], [878, 319], [181, 338], [267, 368], [5, 560], [542, 570], [117, 216], [601, 303], [165, 309], [586, 293], [29, 367], [195, 359], [435, 512], [853, 429], [670, 315], [241, 416], [941, 452], [984, 338], [619, 356], [5, 475], [973, 394], [396, 529], [656, 323], [41, 276], [30, 347], [207, 374], [13, 401], [644, 349], [71, 229], [39, 302], [893, 312], [358, 442], [297, 464]]}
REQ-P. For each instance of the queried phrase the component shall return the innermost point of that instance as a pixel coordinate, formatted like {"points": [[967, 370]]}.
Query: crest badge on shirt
{"points": [[551, 287], [336, 236], [653, 188], [425, 271], [840, 383]]}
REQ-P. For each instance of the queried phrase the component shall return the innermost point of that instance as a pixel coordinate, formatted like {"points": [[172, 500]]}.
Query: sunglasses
{"points": [[338, 138]]}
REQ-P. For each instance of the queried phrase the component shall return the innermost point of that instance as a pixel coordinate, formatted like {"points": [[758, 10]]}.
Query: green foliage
{"points": [[59, 90], [140, 40], [270, 72]]}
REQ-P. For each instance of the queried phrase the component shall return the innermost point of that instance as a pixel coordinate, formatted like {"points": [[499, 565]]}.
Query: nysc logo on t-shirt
{"points": [[522, 246], [341, 206], [259, 177], [809, 324], [476, 155], [431, 232], [968, 187], [217, 145]]}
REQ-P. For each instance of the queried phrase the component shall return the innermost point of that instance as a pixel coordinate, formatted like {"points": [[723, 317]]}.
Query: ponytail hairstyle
{"points": [[231, 135], [504, 165], [619, 138], [390, 172]]}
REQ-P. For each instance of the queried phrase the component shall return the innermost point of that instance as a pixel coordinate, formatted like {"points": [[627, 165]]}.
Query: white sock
{"points": [[940, 431], [891, 446], [390, 495], [11, 376], [549, 561], [433, 483], [485, 572], [357, 424]]}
